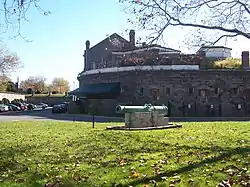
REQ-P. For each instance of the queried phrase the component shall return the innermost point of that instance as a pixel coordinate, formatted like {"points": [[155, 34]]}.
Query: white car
{"points": [[4, 108], [41, 105]]}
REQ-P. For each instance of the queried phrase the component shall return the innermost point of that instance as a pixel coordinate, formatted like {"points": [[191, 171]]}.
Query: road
{"points": [[46, 114]]}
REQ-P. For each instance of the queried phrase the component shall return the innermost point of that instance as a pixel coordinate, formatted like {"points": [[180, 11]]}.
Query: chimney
{"points": [[202, 55], [86, 56], [132, 37], [245, 59], [87, 44]]}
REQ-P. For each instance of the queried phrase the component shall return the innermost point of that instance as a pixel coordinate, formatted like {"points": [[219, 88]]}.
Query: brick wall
{"points": [[188, 93]]}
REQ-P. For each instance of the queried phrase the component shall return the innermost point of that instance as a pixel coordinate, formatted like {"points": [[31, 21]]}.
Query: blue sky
{"points": [[59, 39]]}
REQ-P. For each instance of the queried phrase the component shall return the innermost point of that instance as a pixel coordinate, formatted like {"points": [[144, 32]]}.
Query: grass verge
{"points": [[199, 154]]}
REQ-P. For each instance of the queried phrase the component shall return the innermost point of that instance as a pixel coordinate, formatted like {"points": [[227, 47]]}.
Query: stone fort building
{"points": [[116, 71]]}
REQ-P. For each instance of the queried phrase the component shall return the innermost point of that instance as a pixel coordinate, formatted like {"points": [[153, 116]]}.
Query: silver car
{"points": [[41, 105], [4, 108]]}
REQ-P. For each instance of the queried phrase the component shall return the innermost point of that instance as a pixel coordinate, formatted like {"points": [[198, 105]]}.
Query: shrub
{"points": [[29, 91], [229, 63], [5, 101]]}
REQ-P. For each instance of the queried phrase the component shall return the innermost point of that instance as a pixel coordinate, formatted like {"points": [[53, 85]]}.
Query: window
{"points": [[235, 90], [93, 65], [141, 91], [203, 93], [155, 94], [190, 90], [165, 90], [217, 91]]}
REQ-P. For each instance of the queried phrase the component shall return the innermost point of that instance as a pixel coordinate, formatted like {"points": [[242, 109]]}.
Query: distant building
{"points": [[220, 52]]}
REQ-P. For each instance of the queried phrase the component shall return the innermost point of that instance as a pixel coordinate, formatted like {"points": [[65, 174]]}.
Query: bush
{"points": [[5, 101], [229, 63], [29, 91]]}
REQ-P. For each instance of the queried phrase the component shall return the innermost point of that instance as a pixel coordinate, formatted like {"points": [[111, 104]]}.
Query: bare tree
{"points": [[9, 62], [13, 14], [212, 20], [36, 83]]}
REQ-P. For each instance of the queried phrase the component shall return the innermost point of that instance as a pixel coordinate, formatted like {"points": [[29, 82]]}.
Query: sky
{"points": [[58, 40]]}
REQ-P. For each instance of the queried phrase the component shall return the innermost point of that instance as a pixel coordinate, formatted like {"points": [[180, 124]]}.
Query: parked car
{"points": [[21, 105], [13, 107], [25, 106], [42, 105], [59, 108], [31, 106], [4, 108]]}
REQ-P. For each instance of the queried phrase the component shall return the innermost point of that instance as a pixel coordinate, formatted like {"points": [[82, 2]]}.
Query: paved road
{"points": [[40, 114], [46, 114]]}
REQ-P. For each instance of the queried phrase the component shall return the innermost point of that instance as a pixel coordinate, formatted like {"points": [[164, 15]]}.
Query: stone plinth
{"points": [[145, 119]]}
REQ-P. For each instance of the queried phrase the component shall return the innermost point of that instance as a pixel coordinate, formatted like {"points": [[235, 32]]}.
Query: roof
{"points": [[114, 35], [214, 47], [149, 47], [97, 89]]}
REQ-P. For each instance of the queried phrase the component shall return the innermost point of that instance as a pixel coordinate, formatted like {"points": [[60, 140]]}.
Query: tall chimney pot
{"points": [[87, 44], [245, 59], [132, 37]]}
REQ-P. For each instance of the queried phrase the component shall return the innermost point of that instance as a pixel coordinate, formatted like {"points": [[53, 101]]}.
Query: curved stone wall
{"points": [[187, 92]]}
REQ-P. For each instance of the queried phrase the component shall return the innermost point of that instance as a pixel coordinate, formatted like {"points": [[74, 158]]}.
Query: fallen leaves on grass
{"points": [[201, 154]]}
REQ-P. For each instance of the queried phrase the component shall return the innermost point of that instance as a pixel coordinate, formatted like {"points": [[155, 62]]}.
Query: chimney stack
{"points": [[132, 37], [86, 64], [245, 59], [202, 55], [87, 44]]}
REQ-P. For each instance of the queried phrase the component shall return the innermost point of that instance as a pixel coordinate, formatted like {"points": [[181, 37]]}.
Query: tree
{"points": [[9, 62], [36, 83], [212, 20], [229, 63], [60, 85], [4, 82], [14, 13]]}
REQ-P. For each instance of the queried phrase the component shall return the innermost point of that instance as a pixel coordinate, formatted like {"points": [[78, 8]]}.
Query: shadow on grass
{"points": [[8, 161], [102, 148], [223, 156]]}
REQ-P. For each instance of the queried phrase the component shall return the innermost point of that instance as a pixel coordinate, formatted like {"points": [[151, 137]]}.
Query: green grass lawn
{"points": [[199, 154]]}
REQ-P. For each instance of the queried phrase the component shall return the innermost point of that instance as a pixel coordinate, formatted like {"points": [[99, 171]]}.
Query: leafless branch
{"points": [[231, 18], [14, 13], [9, 62]]}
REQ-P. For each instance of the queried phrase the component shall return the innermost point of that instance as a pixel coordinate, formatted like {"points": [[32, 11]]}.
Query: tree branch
{"points": [[229, 17]]}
